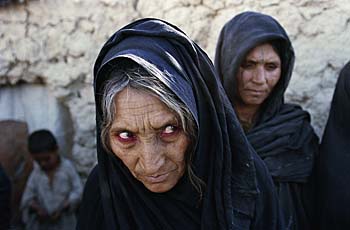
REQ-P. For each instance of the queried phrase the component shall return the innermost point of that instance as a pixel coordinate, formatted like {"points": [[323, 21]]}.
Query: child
{"points": [[53, 189]]}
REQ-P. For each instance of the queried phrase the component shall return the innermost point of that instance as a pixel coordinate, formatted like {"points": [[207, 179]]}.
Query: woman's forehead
{"points": [[134, 107], [135, 99], [262, 52]]}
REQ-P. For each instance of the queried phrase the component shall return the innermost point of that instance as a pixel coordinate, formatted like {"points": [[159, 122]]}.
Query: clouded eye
{"points": [[126, 136], [169, 130]]}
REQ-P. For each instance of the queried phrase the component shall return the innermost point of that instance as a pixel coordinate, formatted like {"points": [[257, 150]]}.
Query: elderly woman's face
{"points": [[148, 138], [258, 75]]}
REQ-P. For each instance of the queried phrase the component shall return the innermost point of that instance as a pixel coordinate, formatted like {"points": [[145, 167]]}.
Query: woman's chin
{"points": [[159, 187]]}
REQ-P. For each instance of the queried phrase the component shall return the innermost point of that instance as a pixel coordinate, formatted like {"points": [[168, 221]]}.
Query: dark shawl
{"points": [[239, 193], [334, 161], [282, 135], [5, 199]]}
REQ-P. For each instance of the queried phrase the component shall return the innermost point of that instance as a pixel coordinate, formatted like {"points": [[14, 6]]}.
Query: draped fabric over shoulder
{"points": [[238, 193], [281, 135], [334, 161], [5, 199]]}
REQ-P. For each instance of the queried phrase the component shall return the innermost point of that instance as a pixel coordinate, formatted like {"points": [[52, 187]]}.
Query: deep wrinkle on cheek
{"points": [[126, 156]]}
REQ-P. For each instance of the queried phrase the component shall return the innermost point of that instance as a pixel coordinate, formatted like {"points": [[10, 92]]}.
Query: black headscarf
{"points": [[236, 181], [5, 199], [238, 36], [282, 135], [334, 161]]}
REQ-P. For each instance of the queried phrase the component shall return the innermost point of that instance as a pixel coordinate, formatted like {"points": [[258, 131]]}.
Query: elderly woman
{"points": [[171, 153], [333, 165], [254, 60]]}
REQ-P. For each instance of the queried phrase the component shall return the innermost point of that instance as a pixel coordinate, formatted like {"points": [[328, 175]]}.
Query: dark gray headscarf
{"points": [[239, 35], [282, 135]]}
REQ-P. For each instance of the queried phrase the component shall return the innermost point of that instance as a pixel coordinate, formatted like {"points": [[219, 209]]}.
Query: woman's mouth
{"points": [[256, 92], [158, 178]]}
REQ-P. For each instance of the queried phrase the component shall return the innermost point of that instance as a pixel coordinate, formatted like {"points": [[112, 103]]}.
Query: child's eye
{"points": [[126, 136], [169, 130]]}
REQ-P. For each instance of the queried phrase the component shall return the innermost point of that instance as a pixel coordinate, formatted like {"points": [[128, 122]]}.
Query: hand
{"points": [[65, 205], [55, 216], [41, 212]]}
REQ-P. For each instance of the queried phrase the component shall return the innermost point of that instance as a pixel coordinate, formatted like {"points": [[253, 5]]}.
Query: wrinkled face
{"points": [[258, 75], [148, 138], [47, 160]]}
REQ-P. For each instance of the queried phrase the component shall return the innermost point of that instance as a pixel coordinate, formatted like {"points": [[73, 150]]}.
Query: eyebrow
{"points": [[268, 61], [156, 125], [265, 58]]}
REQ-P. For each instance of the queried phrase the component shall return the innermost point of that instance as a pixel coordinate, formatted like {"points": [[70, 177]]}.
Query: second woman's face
{"points": [[147, 136], [258, 75]]}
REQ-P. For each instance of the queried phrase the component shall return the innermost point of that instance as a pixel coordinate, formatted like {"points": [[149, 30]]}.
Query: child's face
{"points": [[47, 160]]}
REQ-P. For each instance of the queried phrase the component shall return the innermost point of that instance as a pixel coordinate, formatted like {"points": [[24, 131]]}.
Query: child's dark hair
{"points": [[42, 141]]}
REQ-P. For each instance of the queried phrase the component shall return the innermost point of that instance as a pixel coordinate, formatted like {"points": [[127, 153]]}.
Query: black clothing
{"points": [[5, 200], [334, 161], [239, 193], [281, 135]]}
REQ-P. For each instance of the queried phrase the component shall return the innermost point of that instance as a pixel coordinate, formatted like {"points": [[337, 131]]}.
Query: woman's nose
{"points": [[152, 157], [259, 75]]}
